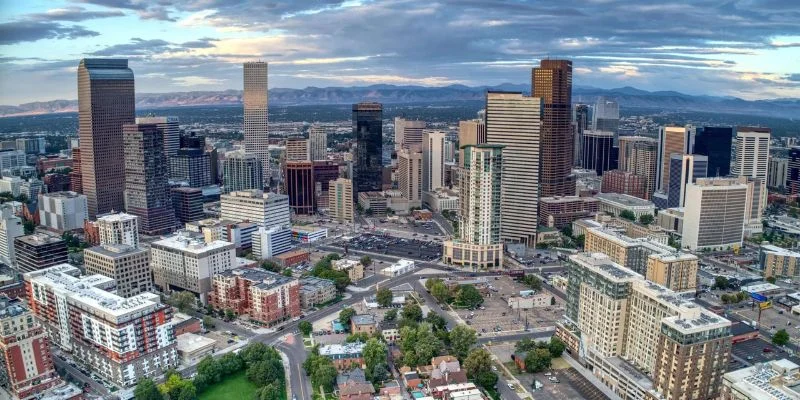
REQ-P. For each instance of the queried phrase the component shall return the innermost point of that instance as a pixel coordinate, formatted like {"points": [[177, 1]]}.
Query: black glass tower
{"points": [[715, 143], [367, 159]]}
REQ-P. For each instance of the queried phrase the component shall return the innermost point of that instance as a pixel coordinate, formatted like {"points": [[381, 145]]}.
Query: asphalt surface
{"points": [[505, 392], [96, 386], [296, 353]]}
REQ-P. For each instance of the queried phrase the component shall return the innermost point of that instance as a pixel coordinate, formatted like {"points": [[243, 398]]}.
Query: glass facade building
{"points": [[367, 158]]}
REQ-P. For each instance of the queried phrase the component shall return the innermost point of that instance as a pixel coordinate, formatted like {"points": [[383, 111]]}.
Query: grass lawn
{"points": [[235, 387]]}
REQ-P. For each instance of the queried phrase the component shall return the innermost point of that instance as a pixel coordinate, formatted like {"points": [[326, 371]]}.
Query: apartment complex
{"points": [[315, 291], [773, 380], [62, 211], [624, 250], [119, 228], [714, 215], [340, 200], [39, 251], [255, 100], [122, 340], [128, 266], [354, 268], [268, 298], [470, 132], [242, 171], [318, 142], [269, 209], [778, 262], [676, 271], [409, 175]]}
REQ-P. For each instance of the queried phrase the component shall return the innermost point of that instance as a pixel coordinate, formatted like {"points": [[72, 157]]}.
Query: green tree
{"points": [[380, 372], [305, 327], [526, 345], [287, 272], [324, 374], [411, 312], [255, 351], [720, 282], [271, 266], [533, 282], [430, 282], [146, 389], [345, 315], [440, 292], [366, 261], [438, 323], [209, 367], [780, 338], [419, 344], [556, 347], [771, 279], [208, 322], [183, 300], [537, 360], [28, 226], [229, 314], [580, 240], [390, 315], [201, 382], [270, 392], [361, 337], [263, 372], [462, 338], [374, 354], [468, 296], [384, 297], [478, 361], [627, 214], [177, 388], [230, 363], [486, 380], [646, 219]]}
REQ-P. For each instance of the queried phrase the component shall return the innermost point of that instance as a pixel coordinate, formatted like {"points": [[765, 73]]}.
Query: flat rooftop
{"points": [[117, 217], [602, 264], [696, 322], [624, 199], [39, 239], [769, 248], [116, 250], [191, 244], [337, 349], [260, 277], [62, 195]]}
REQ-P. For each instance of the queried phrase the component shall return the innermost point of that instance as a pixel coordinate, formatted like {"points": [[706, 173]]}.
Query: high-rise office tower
{"points": [[793, 172], [596, 151], [191, 165], [340, 200], [409, 175], [752, 161], [119, 228], [639, 155], [318, 142], [432, 160], [299, 186], [368, 156], [297, 149], [407, 133], [480, 187], [715, 213], [580, 123], [241, 171], [715, 142], [672, 139], [256, 114], [171, 130], [76, 176], [146, 184], [552, 83], [606, 116], [105, 103], [684, 169], [128, 266], [188, 204], [10, 228], [513, 120], [472, 132], [777, 172]]}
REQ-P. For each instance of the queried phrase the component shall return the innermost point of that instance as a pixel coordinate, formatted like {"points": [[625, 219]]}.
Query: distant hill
{"points": [[627, 97]]}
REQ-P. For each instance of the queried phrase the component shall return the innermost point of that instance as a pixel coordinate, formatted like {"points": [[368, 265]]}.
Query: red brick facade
{"points": [[617, 181], [268, 298]]}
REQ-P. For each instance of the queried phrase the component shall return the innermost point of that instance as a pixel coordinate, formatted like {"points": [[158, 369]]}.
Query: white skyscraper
{"points": [[752, 161], [256, 114], [10, 228], [514, 120], [120, 228], [432, 160], [715, 213], [407, 133], [318, 142]]}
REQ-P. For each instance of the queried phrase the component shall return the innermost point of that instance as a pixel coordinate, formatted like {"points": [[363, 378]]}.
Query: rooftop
{"points": [[337, 349], [602, 264], [117, 217], [624, 199], [63, 195], [39, 239], [311, 283], [760, 287], [363, 319], [116, 250], [633, 373], [183, 242], [769, 248], [11, 307], [759, 381], [261, 278], [567, 199], [190, 342], [696, 322]]}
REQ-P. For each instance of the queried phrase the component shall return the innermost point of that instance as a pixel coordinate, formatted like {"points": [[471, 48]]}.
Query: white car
{"points": [[511, 386], [494, 368]]}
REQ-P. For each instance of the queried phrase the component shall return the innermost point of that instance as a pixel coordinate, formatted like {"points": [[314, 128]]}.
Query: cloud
{"points": [[793, 77], [144, 8], [388, 79], [137, 47], [196, 81], [73, 14], [31, 31]]}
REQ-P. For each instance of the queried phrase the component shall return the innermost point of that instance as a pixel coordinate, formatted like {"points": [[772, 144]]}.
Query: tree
{"points": [[229, 314], [390, 315], [720, 282], [771, 279], [230, 363], [430, 282], [255, 351], [324, 373], [440, 292], [345, 315], [177, 388], [360, 337], [780, 338], [28, 226], [209, 367], [537, 360], [270, 392], [412, 312], [556, 347], [380, 372], [486, 379], [265, 372], [201, 382], [287, 272], [146, 389], [305, 327], [646, 219], [419, 344], [627, 214], [208, 322], [468, 296], [366, 261], [478, 361], [183, 300], [462, 338], [271, 266], [580, 240], [438, 323], [384, 297], [533, 282], [374, 354]]}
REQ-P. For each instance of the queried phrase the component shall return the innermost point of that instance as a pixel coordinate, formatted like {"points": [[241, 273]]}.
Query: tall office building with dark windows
{"points": [[580, 123], [552, 82], [146, 178], [715, 142], [684, 169], [793, 172], [299, 185], [368, 133], [105, 103], [596, 150]]}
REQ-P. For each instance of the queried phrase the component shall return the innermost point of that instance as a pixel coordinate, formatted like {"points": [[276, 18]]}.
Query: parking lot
{"points": [[396, 247], [759, 351], [497, 316], [421, 228]]}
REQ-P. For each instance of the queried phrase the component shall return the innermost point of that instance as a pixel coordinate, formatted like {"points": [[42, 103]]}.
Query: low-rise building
{"points": [[192, 347], [778, 262], [773, 380], [363, 323], [615, 203], [292, 258], [315, 291], [354, 268], [344, 355], [39, 251], [537, 300], [560, 211], [399, 268], [441, 199], [375, 202], [270, 242], [308, 234], [266, 297]]}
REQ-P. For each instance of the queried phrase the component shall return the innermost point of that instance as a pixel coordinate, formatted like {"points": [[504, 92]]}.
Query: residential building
{"points": [[773, 380], [778, 262], [432, 159], [183, 263], [211, 229], [241, 171], [715, 142], [615, 203], [344, 355], [408, 134], [191, 165], [363, 323], [10, 228], [676, 271], [105, 103], [315, 291], [368, 154], [39, 251], [409, 174], [552, 83], [472, 132], [27, 368], [188, 204], [558, 212], [480, 190], [318, 142], [513, 120], [266, 297], [170, 130], [596, 151], [122, 340], [62, 211], [778, 172], [297, 149], [299, 186], [672, 139], [255, 100], [441, 200], [624, 182], [714, 215], [622, 249], [119, 228], [269, 242], [146, 178], [269, 209], [128, 266], [354, 268], [340, 200]]}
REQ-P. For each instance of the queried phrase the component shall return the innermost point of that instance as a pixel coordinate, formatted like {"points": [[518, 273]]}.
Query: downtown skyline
{"points": [[743, 48]]}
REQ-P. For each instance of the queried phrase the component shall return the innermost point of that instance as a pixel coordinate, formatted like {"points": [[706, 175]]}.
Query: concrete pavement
{"points": [[62, 364]]}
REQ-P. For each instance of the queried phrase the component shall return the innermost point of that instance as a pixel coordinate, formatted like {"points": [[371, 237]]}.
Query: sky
{"points": [[743, 48]]}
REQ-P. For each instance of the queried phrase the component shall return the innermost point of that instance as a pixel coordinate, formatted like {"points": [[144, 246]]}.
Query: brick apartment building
{"points": [[267, 297]]}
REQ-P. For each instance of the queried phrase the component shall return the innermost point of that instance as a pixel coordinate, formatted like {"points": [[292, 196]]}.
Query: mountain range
{"points": [[627, 97]]}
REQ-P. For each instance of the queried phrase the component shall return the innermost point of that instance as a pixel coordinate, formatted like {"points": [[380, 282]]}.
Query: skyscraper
{"points": [[684, 169], [318, 142], [513, 120], [580, 123], [715, 213], [299, 185], [172, 133], [409, 175], [672, 139], [472, 132], [256, 114], [367, 158], [146, 184], [606, 116], [752, 152], [297, 149], [407, 133], [715, 143], [793, 172], [105, 103], [340, 200], [432, 160], [639, 155], [241, 171], [552, 82], [778, 172], [596, 151]]}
